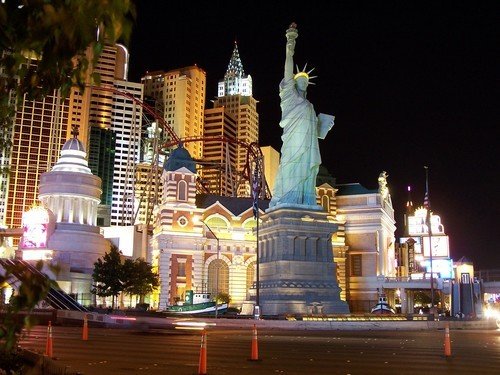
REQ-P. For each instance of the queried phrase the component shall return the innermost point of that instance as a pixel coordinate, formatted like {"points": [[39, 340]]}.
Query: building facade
{"points": [[201, 242], [63, 229], [42, 127], [369, 228], [219, 166], [179, 96], [207, 243], [236, 97], [40, 130]]}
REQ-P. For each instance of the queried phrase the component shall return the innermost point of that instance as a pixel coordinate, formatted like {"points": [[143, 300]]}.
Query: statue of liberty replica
{"points": [[297, 274], [300, 158]]}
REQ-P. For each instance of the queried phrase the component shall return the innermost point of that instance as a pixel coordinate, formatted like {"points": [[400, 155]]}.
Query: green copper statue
{"points": [[300, 157]]}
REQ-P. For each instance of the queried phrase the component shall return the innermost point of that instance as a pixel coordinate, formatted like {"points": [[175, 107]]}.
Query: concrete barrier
{"points": [[147, 322]]}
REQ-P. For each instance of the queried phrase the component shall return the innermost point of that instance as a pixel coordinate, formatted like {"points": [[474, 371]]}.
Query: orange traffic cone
{"points": [[85, 333], [255, 346], [202, 367], [447, 344], [48, 345]]}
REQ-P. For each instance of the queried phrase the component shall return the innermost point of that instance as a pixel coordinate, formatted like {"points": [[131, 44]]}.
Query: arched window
{"points": [[182, 191], [325, 202], [249, 224], [217, 223], [223, 277], [251, 275]]}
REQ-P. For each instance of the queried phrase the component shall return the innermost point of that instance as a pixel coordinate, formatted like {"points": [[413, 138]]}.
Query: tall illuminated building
{"points": [[5, 138], [40, 130], [109, 121], [271, 164], [101, 160], [93, 107], [126, 123], [220, 158], [235, 95], [42, 126], [179, 97]]}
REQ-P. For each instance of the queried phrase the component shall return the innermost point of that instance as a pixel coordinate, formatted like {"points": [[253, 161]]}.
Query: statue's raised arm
{"points": [[291, 35]]}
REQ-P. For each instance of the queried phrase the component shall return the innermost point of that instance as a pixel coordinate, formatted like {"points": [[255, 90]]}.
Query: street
{"points": [[155, 351]]}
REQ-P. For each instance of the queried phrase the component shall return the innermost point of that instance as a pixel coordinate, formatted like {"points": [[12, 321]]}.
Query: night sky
{"points": [[409, 86]]}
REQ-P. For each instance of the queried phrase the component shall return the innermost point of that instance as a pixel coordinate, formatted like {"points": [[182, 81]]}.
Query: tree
{"points": [[140, 278], [32, 288], [57, 33], [423, 298], [223, 297], [108, 275]]}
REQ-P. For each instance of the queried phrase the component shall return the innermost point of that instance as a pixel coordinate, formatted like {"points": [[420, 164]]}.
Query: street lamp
{"points": [[216, 269], [427, 205]]}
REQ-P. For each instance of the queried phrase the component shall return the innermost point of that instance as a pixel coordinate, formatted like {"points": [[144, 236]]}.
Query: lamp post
{"points": [[216, 270], [427, 205], [255, 192]]}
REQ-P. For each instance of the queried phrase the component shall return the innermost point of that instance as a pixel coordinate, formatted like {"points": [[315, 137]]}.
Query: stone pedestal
{"points": [[297, 271]]}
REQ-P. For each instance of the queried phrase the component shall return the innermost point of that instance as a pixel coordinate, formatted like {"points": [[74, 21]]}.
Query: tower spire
{"points": [[409, 202], [235, 67], [409, 211], [235, 82]]}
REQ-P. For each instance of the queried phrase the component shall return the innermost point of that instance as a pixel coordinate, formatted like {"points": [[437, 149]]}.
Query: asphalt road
{"points": [[155, 351]]}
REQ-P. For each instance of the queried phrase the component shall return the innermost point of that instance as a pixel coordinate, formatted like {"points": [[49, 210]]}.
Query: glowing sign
{"points": [[440, 268], [35, 228], [417, 224], [417, 246], [440, 247]]}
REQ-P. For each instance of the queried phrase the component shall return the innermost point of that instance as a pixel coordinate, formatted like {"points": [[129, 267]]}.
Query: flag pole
{"points": [[257, 299], [427, 205], [255, 193]]}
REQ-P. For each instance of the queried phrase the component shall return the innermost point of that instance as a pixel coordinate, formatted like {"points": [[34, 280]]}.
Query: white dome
{"points": [[73, 158]]}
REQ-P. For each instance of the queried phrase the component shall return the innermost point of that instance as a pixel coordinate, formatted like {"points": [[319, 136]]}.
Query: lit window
{"points": [[182, 191], [356, 265]]}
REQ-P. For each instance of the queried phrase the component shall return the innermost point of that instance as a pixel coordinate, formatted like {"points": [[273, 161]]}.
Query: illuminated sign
{"points": [[35, 228], [440, 267], [417, 225], [440, 247], [417, 246]]}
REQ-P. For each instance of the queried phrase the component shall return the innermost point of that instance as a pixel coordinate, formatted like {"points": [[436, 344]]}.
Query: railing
{"points": [[56, 298], [488, 275]]}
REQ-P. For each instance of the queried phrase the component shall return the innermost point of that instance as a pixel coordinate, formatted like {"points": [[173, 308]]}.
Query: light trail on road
{"points": [[128, 351]]}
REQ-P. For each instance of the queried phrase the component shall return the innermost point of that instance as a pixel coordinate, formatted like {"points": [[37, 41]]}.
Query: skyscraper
{"points": [[101, 161], [219, 158], [39, 132], [41, 128], [235, 95], [126, 123], [111, 107], [179, 97]]}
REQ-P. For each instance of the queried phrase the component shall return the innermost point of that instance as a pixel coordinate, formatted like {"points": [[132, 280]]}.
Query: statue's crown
{"points": [[303, 73]]}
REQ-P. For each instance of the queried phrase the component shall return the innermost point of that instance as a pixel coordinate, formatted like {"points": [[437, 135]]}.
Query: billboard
{"points": [[440, 246], [35, 228], [442, 268]]}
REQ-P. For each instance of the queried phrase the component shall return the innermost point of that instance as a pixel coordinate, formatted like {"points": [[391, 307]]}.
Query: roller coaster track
{"points": [[254, 156]]}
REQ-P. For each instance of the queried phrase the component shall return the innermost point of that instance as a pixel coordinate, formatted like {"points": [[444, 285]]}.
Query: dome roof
{"points": [[73, 144], [73, 157], [180, 157]]}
